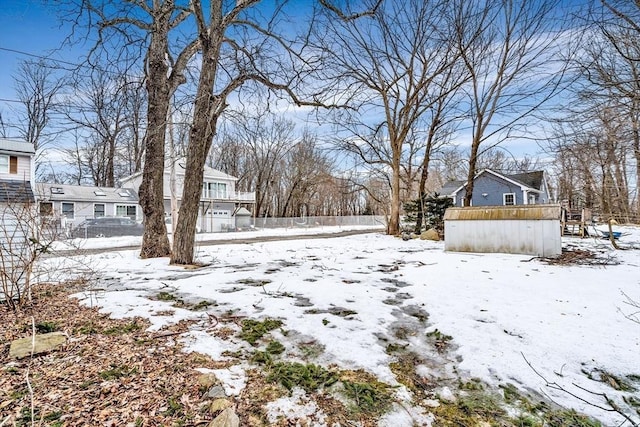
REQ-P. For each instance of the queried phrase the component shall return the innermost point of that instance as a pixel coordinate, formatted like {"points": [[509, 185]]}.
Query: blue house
{"points": [[492, 188]]}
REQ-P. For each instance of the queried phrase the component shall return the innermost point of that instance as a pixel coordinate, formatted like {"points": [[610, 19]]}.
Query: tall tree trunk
{"points": [[207, 110], [155, 242]]}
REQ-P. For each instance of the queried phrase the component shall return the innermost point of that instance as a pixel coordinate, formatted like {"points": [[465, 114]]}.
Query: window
{"points": [[67, 210], [126, 210], [98, 210], [214, 190], [509, 199], [8, 164], [532, 199], [99, 193], [46, 209]]}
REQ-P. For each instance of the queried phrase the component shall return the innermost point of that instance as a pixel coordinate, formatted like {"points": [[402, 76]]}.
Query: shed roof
{"points": [[16, 146], [522, 212], [64, 192], [16, 192]]}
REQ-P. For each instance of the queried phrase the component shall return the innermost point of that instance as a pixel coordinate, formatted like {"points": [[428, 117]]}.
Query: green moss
{"points": [[568, 418], [309, 377], [371, 397], [275, 347], [253, 330], [165, 296]]}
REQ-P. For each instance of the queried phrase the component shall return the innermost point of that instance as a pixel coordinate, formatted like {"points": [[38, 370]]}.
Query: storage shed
{"points": [[527, 229]]}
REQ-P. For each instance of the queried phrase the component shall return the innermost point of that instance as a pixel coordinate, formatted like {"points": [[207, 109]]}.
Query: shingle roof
{"points": [[64, 192], [16, 192], [449, 187], [530, 179]]}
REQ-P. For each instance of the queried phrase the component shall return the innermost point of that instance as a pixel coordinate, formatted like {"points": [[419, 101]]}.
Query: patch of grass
{"points": [[475, 384], [46, 327], [614, 381], [405, 372], [394, 348], [165, 296], [261, 358], [202, 305], [482, 405], [568, 418], [253, 330], [123, 329], [174, 407], [87, 329], [275, 347], [309, 377], [118, 372], [325, 322], [311, 350], [370, 397], [52, 416], [440, 340], [439, 336]]}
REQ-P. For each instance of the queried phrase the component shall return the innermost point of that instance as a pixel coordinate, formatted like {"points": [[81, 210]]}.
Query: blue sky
{"points": [[27, 26]]}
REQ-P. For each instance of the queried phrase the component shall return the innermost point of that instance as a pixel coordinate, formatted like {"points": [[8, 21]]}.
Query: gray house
{"points": [[72, 204], [492, 188]]}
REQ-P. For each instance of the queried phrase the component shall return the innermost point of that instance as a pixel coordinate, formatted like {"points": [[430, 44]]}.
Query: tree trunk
{"points": [[393, 228], [207, 110], [473, 162], [155, 242]]}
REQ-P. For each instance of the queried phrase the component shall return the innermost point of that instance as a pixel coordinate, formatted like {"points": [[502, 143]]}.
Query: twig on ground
{"points": [[613, 407]]}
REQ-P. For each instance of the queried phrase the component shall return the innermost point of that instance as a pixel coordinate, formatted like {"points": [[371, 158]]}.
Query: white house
{"points": [[219, 201], [16, 215]]}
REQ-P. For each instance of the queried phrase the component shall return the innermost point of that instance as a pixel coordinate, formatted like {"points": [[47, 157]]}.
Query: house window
{"points": [[8, 164], [532, 199], [67, 210], [509, 199], [98, 210], [126, 210], [46, 209], [214, 190]]}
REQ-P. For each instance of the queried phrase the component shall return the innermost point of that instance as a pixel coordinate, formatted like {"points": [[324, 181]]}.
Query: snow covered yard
{"points": [[364, 302]]}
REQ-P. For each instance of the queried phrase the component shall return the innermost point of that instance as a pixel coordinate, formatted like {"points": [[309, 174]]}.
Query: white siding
{"points": [[24, 169], [531, 237], [14, 251]]}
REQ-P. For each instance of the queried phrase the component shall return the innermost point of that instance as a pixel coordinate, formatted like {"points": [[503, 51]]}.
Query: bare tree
{"points": [[508, 48], [386, 67], [147, 26], [37, 86], [240, 48]]}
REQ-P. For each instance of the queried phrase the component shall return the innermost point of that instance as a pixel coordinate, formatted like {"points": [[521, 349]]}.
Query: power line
{"points": [[33, 55]]}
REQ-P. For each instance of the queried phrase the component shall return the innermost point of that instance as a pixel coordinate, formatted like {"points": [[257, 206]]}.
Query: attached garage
{"points": [[528, 229]]}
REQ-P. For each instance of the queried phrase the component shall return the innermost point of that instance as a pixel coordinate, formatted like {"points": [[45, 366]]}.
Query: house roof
{"points": [[16, 192], [532, 180], [16, 146], [209, 172], [67, 192]]}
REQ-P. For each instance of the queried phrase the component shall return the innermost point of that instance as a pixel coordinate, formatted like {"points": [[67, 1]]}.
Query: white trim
{"points": [[504, 199], [73, 212], [126, 205], [5, 156], [104, 209]]}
